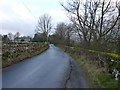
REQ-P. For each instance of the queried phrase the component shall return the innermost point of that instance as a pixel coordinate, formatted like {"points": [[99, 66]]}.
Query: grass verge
{"points": [[98, 76]]}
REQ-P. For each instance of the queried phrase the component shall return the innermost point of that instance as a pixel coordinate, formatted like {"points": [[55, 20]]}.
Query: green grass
{"points": [[98, 77], [107, 81]]}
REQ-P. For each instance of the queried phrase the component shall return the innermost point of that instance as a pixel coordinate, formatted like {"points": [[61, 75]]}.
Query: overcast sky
{"points": [[22, 15]]}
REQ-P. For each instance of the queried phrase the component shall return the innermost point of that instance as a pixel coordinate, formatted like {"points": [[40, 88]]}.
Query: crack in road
{"points": [[55, 69], [76, 77], [69, 75]]}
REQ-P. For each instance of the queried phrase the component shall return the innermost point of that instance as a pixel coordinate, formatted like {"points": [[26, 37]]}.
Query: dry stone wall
{"points": [[101, 60], [14, 52]]}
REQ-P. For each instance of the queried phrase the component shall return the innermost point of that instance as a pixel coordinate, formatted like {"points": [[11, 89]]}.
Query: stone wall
{"points": [[98, 59], [14, 52]]}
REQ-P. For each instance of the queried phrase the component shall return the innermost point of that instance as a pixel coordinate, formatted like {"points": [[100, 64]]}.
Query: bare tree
{"points": [[64, 32], [94, 19], [44, 24], [17, 35], [60, 30], [118, 24], [10, 36], [69, 33]]}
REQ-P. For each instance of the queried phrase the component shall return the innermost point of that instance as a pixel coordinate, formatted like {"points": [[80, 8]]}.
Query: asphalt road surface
{"points": [[51, 69]]}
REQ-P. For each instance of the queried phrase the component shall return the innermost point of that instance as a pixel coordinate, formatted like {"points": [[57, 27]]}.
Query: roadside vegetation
{"points": [[16, 52], [98, 75], [16, 48], [92, 37]]}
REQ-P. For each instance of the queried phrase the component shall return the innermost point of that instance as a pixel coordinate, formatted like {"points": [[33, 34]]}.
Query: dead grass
{"points": [[23, 56], [98, 76]]}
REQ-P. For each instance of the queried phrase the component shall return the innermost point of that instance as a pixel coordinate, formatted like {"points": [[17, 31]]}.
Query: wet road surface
{"points": [[51, 69]]}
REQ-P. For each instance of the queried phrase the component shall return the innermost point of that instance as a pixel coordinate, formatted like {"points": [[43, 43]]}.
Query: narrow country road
{"points": [[51, 69]]}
